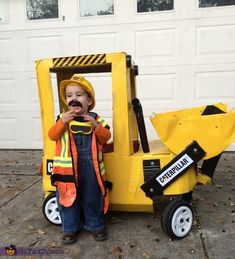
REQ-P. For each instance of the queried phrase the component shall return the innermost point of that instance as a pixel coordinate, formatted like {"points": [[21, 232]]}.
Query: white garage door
{"points": [[185, 50]]}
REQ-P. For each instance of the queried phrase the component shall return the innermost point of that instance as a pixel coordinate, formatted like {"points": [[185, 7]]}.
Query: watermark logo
{"points": [[11, 250]]}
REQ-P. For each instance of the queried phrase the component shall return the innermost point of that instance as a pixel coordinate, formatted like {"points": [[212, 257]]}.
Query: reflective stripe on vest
{"points": [[64, 142], [63, 162], [102, 169], [102, 121]]}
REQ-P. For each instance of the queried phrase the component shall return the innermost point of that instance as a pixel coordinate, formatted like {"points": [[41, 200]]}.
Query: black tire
{"points": [[188, 196], [50, 209], [177, 219]]}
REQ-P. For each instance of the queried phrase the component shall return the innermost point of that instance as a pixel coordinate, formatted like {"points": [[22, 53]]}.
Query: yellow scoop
{"points": [[214, 133]]}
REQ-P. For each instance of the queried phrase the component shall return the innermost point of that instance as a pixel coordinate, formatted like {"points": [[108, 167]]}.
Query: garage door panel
{"points": [[161, 87], [8, 92], [98, 43], [8, 133], [43, 46], [154, 45], [20, 130], [172, 43], [6, 51], [215, 85], [167, 88], [30, 135], [215, 40], [17, 94], [189, 43], [191, 86]]}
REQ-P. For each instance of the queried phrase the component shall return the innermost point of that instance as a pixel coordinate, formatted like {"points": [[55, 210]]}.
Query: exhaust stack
{"points": [[141, 125]]}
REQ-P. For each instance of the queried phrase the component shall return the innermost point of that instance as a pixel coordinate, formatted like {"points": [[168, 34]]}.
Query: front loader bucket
{"points": [[213, 132]]}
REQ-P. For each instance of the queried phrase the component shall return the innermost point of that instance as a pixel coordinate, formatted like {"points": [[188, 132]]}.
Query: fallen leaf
{"points": [[117, 251], [31, 227], [146, 255], [41, 232], [34, 242], [53, 244]]}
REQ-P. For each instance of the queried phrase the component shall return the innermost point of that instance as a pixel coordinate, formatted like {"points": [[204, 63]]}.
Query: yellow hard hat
{"points": [[81, 81]]}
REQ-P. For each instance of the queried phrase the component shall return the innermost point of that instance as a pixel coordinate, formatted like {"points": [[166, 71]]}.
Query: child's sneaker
{"points": [[100, 235], [69, 237]]}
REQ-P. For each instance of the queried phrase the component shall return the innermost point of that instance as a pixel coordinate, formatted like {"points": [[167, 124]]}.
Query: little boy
{"points": [[78, 169]]}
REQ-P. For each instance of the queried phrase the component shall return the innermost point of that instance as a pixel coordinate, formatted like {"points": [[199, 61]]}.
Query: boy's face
{"points": [[76, 92]]}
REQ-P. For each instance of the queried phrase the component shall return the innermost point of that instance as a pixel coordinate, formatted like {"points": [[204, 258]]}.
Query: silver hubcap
{"points": [[52, 212], [182, 221]]}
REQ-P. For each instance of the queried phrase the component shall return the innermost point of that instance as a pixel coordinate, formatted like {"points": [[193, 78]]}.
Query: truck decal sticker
{"points": [[79, 60], [171, 172]]}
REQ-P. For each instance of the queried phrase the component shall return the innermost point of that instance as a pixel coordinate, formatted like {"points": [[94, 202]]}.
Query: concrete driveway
{"points": [[131, 235]]}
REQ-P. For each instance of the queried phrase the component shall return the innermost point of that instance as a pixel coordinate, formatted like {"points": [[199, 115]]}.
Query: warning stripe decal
{"points": [[79, 60]]}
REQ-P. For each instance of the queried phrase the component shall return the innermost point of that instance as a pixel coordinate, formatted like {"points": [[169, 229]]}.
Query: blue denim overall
{"points": [[87, 210]]}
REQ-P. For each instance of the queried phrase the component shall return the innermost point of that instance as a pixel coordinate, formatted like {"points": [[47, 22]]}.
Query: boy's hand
{"points": [[67, 116], [91, 120]]}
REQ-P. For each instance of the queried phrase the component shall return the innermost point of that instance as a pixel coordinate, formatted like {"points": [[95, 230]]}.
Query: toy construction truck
{"points": [[140, 170]]}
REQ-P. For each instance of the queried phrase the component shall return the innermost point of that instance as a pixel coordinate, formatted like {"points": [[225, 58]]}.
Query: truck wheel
{"points": [[50, 209], [177, 219]]}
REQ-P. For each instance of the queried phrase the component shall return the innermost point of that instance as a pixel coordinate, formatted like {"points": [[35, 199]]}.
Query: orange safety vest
{"points": [[65, 173]]}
